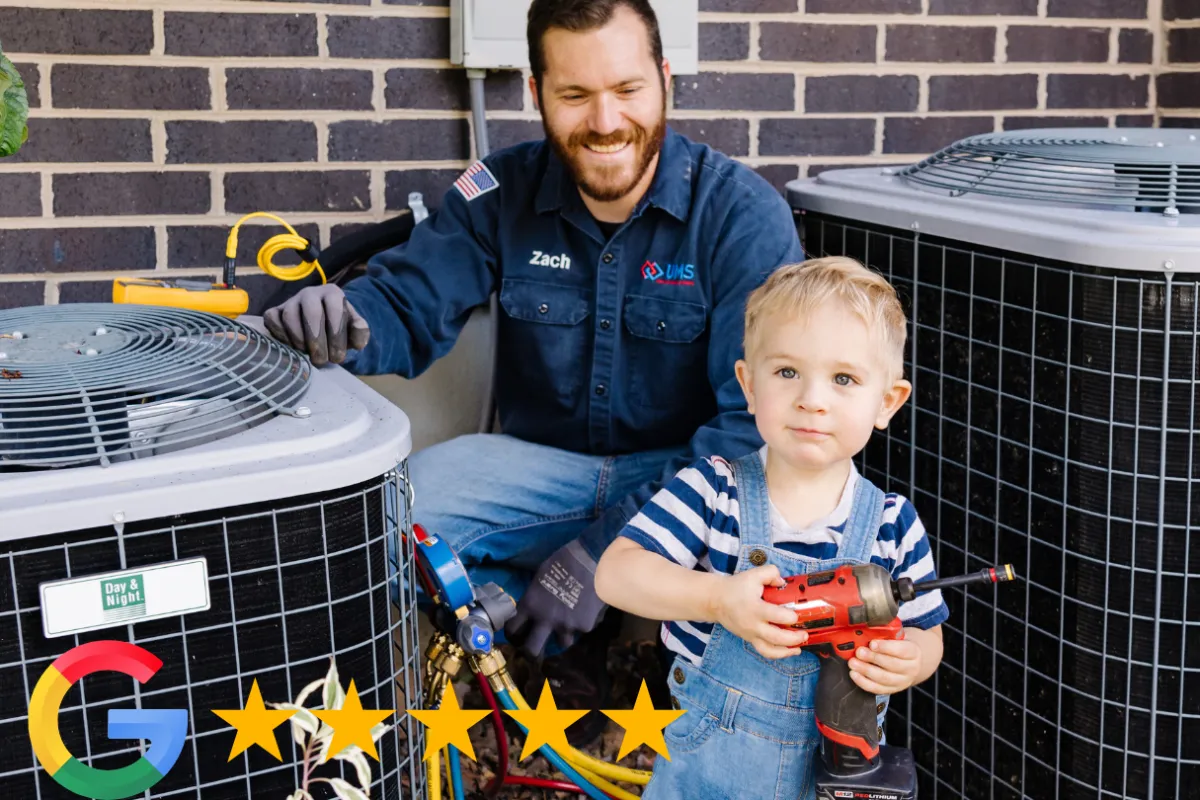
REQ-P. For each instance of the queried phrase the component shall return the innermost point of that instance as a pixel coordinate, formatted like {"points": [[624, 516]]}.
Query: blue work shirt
{"points": [[606, 345]]}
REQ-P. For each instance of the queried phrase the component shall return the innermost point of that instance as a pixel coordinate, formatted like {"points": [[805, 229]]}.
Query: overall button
{"points": [[758, 557], [608, 257], [674, 703], [678, 675], [601, 390], [605, 324], [543, 308]]}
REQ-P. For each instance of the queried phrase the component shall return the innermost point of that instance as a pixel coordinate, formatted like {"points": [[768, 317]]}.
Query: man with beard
{"points": [[623, 254]]}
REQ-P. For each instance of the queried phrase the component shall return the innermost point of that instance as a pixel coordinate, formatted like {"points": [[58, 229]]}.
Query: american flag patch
{"points": [[477, 180]]}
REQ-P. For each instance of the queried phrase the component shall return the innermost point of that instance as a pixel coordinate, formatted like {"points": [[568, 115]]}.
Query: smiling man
{"points": [[623, 254]]}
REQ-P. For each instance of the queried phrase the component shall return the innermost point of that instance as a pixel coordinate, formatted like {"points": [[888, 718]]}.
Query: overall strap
{"points": [[754, 503], [862, 528]]}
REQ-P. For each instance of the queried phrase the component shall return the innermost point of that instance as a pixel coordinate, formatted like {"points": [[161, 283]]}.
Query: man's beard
{"points": [[601, 184]]}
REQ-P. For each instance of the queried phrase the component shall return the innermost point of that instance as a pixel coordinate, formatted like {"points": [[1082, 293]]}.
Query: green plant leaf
{"points": [[14, 109], [358, 758], [347, 791], [379, 730], [304, 722], [300, 795], [308, 690], [333, 694]]}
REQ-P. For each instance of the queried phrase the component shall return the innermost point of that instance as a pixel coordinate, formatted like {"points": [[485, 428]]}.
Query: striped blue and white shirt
{"points": [[693, 521]]}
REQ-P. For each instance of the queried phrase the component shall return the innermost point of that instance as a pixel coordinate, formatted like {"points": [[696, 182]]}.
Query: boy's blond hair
{"points": [[797, 289]]}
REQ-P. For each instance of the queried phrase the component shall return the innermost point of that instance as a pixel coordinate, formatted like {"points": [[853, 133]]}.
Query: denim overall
{"points": [[750, 731]]}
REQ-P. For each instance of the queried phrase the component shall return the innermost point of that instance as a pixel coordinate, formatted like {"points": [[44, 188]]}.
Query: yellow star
{"points": [[255, 724], [352, 725], [545, 724], [448, 724], [643, 725]]}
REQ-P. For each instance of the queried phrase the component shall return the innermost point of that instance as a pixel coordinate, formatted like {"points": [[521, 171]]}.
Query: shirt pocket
{"points": [[668, 351], [545, 332]]}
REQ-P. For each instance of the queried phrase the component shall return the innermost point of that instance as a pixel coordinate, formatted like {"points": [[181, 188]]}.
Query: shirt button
{"points": [[543, 308], [601, 390], [607, 258], [662, 325], [605, 324], [758, 557]]}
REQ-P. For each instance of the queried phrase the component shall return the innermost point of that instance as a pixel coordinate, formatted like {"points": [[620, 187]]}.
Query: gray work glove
{"points": [[319, 321], [561, 600]]}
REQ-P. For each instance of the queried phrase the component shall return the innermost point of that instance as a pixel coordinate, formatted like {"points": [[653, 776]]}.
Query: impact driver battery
{"points": [[893, 777]]}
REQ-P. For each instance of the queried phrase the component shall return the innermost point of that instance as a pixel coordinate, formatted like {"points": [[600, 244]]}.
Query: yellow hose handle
{"points": [[271, 248]]}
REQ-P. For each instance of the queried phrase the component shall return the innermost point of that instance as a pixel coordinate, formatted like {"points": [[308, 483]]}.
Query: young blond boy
{"points": [[824, 344]]}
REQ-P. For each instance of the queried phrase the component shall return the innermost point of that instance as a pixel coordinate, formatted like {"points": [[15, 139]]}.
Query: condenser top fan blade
{"points": [[174, 411]]}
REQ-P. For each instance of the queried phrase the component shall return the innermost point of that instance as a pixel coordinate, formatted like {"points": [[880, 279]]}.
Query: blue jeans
{"points": [[505, 504]]}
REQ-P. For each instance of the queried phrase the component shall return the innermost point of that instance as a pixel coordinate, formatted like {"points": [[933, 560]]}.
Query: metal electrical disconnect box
{"points": [[490, 34]]}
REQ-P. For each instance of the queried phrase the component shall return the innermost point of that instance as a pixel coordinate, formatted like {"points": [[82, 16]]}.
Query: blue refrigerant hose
{"points": [[456, 781], [554, 758]]}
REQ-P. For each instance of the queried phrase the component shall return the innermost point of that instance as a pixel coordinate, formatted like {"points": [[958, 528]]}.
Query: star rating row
{"points": [[449, 724]]}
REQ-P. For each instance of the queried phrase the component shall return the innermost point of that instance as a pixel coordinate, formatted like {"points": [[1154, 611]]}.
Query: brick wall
{"points": [[155, 124]]}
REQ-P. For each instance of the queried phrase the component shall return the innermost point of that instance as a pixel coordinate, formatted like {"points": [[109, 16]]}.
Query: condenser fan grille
{"points": [[1131, 170], [98, 383]]}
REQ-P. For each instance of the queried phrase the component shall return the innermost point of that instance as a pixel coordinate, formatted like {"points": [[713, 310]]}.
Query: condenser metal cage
{"points": [[1051, 281], [134, 436]]}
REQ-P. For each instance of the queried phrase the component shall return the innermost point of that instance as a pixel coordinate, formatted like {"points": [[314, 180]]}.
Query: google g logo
{"points": [[165, 727]]}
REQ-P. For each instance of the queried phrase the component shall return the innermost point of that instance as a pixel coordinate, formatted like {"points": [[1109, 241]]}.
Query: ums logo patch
{"points": [[670, 274]]}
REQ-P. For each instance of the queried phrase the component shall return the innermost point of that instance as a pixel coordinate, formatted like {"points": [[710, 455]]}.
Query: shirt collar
{"points": [[671, 189]]}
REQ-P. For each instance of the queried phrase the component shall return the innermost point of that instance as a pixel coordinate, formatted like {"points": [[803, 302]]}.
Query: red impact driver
{"points": [[844, 609]]}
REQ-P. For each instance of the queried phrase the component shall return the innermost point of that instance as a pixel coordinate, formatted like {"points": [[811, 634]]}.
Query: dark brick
{"points": [[1135, 120], [504, 133], [31, 76], [798, 41], [288, 88], [398, 140], [117, 193], [1097, 91], [940, 43], [348, 229], [192, 246], [751, 6], [962, 8], [449, 89], [93, 33], [338, 190], [39, 250], [1040, 43], [724, 41], [1178, 89], [85, 292], [431, 183], [200, 142], [982, 92], [159, 88], [1135, 46], [62, 139], [1181, 9], [848, 93], [1027, 123], [863, 7], [21, 294], [729, 136], [237, 34], [778, 175], [1183, 46], [1179, 122], [1098, 9], [372, 37], [816, 137], [20, 194], [727, 91], [925, 135]]}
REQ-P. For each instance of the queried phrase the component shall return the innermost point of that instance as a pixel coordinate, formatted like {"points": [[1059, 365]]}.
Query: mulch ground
{"points": [[628, 663]]}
